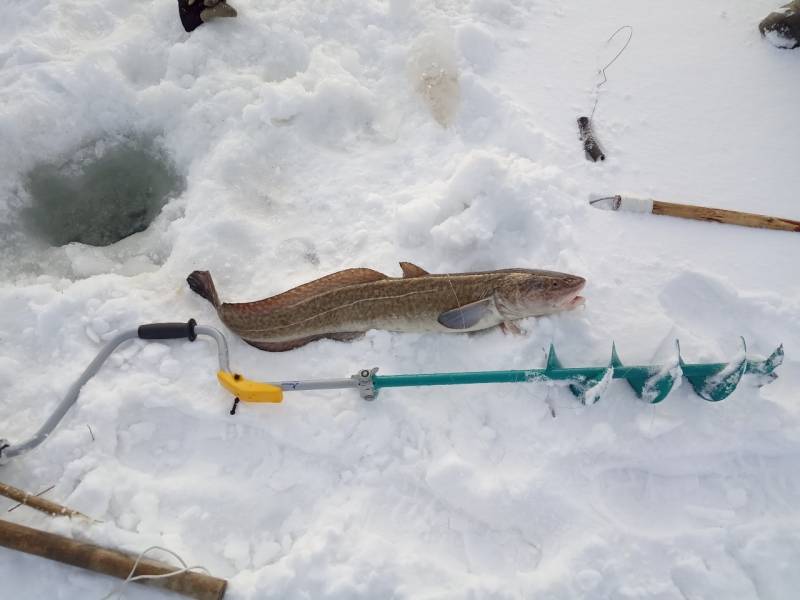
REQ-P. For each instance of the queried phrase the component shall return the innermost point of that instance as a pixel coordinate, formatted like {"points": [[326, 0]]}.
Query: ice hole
{"points": [[100, 195]]}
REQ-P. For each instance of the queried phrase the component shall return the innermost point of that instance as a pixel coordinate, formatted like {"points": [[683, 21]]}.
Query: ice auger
{"points": [[711, 381]]}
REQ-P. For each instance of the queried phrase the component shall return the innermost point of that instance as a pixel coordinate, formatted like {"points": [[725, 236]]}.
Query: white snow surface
{"points": [[309, 147]]}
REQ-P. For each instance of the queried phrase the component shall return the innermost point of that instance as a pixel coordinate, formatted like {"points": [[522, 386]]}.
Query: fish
{"points": [[344, 305]]}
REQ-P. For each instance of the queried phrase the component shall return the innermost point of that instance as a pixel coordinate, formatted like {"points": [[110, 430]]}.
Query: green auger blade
{"points": [[766, 367], [585, 387], [712, 381], [651, 384], [719, 385]]}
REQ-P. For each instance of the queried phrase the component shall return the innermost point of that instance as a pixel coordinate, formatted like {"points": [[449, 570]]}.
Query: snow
{"points": [[777, 39], [310, 144]]}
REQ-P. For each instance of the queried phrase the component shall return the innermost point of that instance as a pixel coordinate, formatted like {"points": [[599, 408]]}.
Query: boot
{"points": [[194, 13], [782, 28]]}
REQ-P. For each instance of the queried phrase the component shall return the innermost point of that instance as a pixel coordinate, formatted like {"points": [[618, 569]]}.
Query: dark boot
{"points": [[782, 28], [194, 13]]}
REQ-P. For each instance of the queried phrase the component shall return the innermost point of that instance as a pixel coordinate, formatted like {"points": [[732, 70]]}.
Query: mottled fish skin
{"points": [[357, 300]]}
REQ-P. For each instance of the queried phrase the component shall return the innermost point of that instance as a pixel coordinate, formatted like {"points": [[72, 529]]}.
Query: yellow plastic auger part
{"points": [[248, 390]]}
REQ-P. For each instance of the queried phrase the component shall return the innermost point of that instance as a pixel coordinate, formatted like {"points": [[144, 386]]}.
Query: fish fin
{"points": [[345, 336], [512, 328], [479, 333], [412, 270], [334, 281], [467, 316], [284, 346], [201, 283]]}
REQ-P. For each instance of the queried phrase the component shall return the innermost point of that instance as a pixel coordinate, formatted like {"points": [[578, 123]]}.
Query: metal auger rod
{"points": [[315, 384], [713, 381], [369, 382], [520, 376]]}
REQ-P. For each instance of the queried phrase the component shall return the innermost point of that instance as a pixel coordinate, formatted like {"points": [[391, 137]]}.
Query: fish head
{"points": [[529, 293]]}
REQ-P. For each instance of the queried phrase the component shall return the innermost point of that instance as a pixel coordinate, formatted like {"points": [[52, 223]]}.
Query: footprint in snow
{"points": [[433, 72]]}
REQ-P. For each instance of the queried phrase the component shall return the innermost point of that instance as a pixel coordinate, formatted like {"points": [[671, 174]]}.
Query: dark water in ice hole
{"points": [[100, 200]]}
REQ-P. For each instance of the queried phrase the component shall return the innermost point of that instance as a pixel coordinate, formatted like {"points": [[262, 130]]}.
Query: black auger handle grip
{"points": [[590, 144], [168, 331]]}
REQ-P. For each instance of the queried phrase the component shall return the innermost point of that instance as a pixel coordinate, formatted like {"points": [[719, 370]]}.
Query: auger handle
{"points": [[151, 331], [168, 331]]}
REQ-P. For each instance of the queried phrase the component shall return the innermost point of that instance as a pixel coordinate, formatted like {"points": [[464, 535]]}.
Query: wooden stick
{"points": [[719, 215], [40, 504], [108, 561], [699, 213]]}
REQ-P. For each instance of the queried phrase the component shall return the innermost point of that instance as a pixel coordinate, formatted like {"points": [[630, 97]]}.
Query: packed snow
{"points": [[315, 136]]}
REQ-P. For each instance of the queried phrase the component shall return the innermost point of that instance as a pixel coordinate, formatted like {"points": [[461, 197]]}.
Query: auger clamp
{"points": [[365, 384]]}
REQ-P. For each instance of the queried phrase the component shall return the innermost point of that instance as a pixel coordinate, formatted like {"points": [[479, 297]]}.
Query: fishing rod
{"points": [[652, 383], [690, 211]]}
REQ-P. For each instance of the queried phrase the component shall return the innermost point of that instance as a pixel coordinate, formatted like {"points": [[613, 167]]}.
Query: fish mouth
{"points": [[576, 302], [553, 295]]}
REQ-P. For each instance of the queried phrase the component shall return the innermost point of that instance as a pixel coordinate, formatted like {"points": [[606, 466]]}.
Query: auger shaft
{"points": [[712, 381], [519, 376]]}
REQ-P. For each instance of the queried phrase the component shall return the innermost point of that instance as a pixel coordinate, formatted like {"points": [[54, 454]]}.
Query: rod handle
{"points": [[168, 331], [590, 144], [721, 215]]}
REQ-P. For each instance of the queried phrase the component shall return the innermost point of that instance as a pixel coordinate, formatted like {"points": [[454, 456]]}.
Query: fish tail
{"points": [[202, 284]]}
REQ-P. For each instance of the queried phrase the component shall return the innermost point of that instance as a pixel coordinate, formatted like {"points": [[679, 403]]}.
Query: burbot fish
{"points": [[343, 305]]}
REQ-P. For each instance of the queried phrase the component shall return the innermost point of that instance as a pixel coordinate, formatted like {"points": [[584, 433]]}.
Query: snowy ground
{"points": [[307, 150]]}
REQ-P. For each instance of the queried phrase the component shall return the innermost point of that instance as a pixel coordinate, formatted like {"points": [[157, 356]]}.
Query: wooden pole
{"points": [[107, 561], [40, 504], [719, 215]]}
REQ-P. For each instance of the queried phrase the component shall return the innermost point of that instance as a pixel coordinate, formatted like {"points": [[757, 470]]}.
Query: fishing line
{"points": [[586, 134], [118, 589], [458, 302], [611, 62]]}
